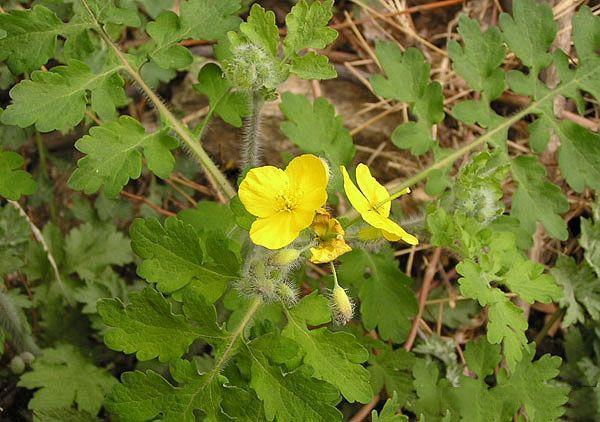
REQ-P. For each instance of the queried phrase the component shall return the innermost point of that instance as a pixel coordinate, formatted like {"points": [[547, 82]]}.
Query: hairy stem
{"points": [[214, 175], [19, 332], [251, 149], [40, 238]]}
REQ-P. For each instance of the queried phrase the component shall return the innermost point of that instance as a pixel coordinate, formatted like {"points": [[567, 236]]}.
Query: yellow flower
{"points": [[331, 239], [373, 203], [285, 202]]}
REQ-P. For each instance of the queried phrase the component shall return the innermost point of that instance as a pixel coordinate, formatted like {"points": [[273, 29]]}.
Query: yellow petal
{"points": [[329, 251], [308, 175], [375, 192], [280, 229], [398, 233], [261, 188], [356, 198]]}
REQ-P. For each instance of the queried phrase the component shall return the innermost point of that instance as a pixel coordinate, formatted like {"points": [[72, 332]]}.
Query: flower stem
{"points": [[214, 175], [252, 142]]}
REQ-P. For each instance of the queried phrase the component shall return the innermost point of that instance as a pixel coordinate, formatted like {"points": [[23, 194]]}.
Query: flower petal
{"points": [[356, 198], [308, 175], [280, 229], [375, 192], [260, 189]]}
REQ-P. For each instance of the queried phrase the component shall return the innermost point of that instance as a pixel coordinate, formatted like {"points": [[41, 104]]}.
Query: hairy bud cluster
{"points": [[251, 69], [266, 273]]}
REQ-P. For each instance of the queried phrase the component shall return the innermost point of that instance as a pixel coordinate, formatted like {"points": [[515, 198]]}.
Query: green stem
{"points": [[213, 173], [334, 273], [555, 317], [252, 144], [11, 323]]}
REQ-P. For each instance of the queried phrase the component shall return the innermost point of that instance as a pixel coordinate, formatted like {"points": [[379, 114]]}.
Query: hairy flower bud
{"points": [[287, 294], [341, 305], [285, 257], [250, 68]]}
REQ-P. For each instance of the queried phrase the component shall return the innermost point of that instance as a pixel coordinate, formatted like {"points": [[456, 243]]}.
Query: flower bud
{"points": [[287, 294], [27, 357], [17, 366], [341, 305], [251, 68], [285, 257]]}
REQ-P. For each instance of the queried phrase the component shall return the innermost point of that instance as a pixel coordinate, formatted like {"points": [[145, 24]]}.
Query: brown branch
{"points": [[365, 410], [147, 202], [429, 274]]}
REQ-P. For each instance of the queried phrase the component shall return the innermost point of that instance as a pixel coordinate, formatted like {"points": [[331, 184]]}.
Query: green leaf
{"points": [[64, 415], [64, 376], [386, 300], [392, 369], [307, 26], [313, 66], [14, 238], [530, 32], [536, 199], [57, 100], [148, 327], [243, 405], [408, 81], [581, 290], [316, 129], [261, 29], [506, 322], [432, 394], [590, 239], [209, 216], [388, 413], [30, 39], [172, 255], [14, 182], [229, 105], [482, 357], [293, 396], [209, 19], [114, 155], [335, 357], [155, 7], [143, 396], [107, 284], [579, 156], [90, 249], [166, 32], [530, 385], [478, 60]]}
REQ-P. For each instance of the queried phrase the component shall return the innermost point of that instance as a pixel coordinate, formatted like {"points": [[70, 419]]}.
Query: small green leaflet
{"points": [[307, 26], [63, 376], [14, 182], [316, 129], [114, 155], [313, 66], [581, 290], [173, 255], [148, 327], [579, 155], [335, 357], [530, 33], [408, 81], [198, 19], [479, 60], [166, 33], [57, 100], [30, 39], [291, 396], [536, 199], [231, 106], [388, 413], [90, 249], [261, 29], [386, 299]]}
